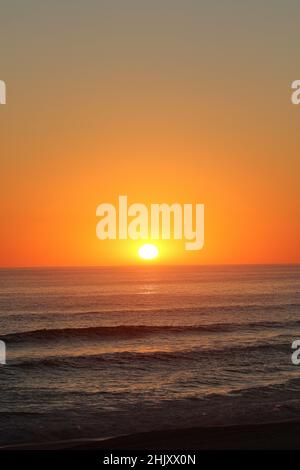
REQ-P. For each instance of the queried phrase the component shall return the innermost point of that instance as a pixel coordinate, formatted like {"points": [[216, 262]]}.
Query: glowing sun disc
{"points": [[148, 251]]}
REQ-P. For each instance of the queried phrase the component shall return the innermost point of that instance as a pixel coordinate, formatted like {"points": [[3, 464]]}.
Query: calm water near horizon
{"points": [[98, 352]]}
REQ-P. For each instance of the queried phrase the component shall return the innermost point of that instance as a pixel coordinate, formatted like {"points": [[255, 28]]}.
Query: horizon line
{"points": [[149, 264]]}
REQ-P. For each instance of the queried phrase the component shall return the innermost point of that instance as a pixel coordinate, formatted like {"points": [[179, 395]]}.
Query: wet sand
{"points": [[264, 436]]}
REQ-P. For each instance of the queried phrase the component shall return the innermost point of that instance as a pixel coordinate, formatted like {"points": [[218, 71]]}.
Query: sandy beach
{"points": [[270, 436]]}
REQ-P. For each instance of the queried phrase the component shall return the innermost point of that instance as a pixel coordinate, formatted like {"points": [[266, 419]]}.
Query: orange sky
{"points": [[162, 105]]}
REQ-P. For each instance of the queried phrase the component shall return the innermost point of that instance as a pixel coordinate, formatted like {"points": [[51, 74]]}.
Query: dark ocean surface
{"points": [[99, 352]]}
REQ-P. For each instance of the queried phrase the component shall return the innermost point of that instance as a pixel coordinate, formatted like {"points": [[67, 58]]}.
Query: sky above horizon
{"points": [[164, 101]]}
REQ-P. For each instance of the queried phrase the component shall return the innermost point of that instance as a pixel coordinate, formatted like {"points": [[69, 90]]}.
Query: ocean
{"points": [[101, 352]]}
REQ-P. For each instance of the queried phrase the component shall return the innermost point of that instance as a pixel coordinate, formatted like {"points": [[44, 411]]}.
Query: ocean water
{"points": [[99, 352]]}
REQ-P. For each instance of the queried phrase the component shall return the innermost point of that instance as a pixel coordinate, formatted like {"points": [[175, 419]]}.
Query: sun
{"points": [[148, 251]]}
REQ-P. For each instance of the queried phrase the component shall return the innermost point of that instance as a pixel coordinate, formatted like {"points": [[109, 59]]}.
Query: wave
{"points": [[211, 309], [138, 359], [128, 331]]}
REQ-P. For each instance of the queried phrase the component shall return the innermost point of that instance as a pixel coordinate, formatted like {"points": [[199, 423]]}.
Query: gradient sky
{"points": [[162, 100]]}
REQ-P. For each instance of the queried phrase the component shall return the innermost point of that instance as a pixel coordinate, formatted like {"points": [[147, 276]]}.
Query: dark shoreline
{"points": [[269, 436]]}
